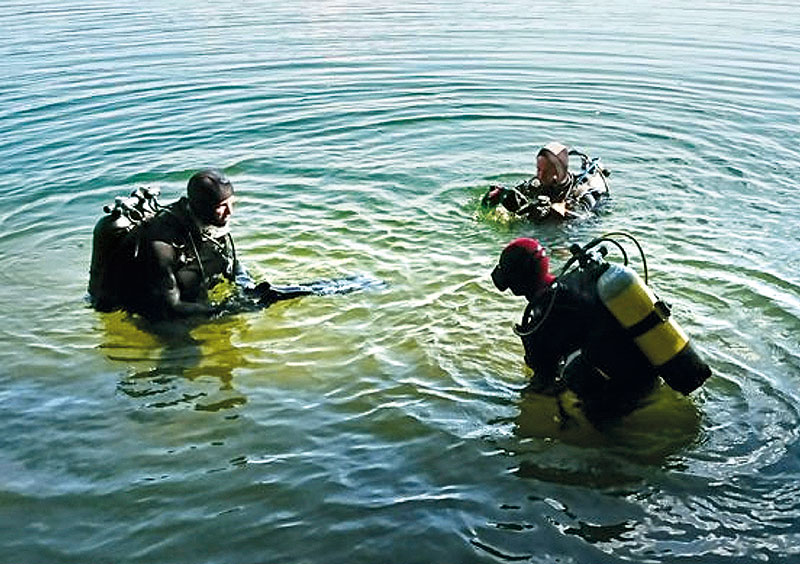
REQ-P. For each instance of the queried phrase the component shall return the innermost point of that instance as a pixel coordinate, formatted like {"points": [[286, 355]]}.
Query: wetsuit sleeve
{"points": [[513, 200], [560, 335], [543, 362], [529, 191], [528, 188], [242, 277], [165, 290]]}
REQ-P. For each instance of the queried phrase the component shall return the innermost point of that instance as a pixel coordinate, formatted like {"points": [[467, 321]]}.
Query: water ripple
{"points": [[360, 136]]}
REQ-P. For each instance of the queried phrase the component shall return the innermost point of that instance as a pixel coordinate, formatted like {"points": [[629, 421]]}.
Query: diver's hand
{"points": [[494, 195], [264, 293], [261, 287]]}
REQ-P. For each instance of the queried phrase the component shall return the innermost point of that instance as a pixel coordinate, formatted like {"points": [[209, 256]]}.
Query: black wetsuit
{"points": [[179, 264], [523, 198], [610, 374]]}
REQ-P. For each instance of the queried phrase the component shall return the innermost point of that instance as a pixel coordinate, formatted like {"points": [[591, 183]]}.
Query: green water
{"points": [[387, 425]]}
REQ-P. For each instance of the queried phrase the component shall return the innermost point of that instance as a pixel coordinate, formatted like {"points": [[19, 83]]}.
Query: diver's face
{"points": [[547, 171], [223, 212], [504, 280]]}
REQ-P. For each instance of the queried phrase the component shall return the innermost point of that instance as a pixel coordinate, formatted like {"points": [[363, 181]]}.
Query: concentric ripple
{"points": [[387, 425]]}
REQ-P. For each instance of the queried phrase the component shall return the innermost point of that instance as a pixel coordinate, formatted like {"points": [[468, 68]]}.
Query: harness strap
{"points": [[233, 249], [188, 229], [191, 242], [659, 315], [199, 260]]}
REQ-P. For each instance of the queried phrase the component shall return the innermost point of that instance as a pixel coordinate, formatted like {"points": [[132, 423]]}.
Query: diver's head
{"points": [[210, 197], [552, 164], [524, 268]]}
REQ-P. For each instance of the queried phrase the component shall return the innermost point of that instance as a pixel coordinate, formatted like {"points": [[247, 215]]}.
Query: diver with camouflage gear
{"points": [[555, 192]]}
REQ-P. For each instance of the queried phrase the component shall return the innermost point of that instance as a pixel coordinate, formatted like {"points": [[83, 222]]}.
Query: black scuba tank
{"points": [[115, 247]]}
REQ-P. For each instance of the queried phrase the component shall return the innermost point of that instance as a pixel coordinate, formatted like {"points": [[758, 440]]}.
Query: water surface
{"points": [[388, 426]]}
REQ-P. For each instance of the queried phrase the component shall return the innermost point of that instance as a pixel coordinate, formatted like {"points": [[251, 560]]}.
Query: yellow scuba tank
{"points": [[648, 322]]}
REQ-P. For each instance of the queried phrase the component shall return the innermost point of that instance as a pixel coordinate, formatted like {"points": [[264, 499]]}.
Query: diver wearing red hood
{"points": [[565, 316]]}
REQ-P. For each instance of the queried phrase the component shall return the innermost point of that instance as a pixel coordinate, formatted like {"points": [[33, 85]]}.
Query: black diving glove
{"points": [[494, 196], [266, 294]]}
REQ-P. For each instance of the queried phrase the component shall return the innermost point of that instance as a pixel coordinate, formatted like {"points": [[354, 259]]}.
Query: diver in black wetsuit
{"points": [[186, 248], [554, 192], [609, 373], [161, 261]]}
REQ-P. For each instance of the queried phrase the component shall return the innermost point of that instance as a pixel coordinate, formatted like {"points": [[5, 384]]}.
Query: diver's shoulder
{"points": [[171, 222]]}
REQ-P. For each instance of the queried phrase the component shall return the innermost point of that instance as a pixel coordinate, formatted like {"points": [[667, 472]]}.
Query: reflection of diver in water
{"points": [[174, 363], [162, 262], [597, 330], [555, 192]]}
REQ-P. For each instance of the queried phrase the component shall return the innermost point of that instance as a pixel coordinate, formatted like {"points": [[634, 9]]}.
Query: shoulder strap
{"points": [[181, 219]]}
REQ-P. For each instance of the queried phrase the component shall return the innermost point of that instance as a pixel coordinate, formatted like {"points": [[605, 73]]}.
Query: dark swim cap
{"points": [[524, 267], [206, 189]]}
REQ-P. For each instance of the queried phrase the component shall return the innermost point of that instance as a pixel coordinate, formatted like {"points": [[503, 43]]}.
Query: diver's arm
{"points": [[552, 341], [242, 277], [166, 288], [542, 355], [529, 188], [545, 369]]}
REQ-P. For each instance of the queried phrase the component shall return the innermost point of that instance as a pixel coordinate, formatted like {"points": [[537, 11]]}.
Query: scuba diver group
{"points": [[596, 329]]}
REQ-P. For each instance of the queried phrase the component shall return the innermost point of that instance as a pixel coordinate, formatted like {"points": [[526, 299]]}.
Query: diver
{"points": [[555, 192], [161, 262], [573, 340], [187, 247]]}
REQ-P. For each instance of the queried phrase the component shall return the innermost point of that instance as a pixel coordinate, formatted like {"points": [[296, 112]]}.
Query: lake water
{"points": [[388, 425]]}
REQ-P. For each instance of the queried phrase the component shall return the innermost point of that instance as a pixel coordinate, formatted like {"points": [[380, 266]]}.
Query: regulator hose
{"points": [[609, 237], [579, 252]]}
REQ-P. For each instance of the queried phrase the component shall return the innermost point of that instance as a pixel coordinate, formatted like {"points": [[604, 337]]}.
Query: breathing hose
{"points": [[580, 254]]}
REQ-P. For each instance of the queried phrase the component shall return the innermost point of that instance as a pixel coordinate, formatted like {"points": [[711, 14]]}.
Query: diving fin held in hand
{"points": [[266, 294]]}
